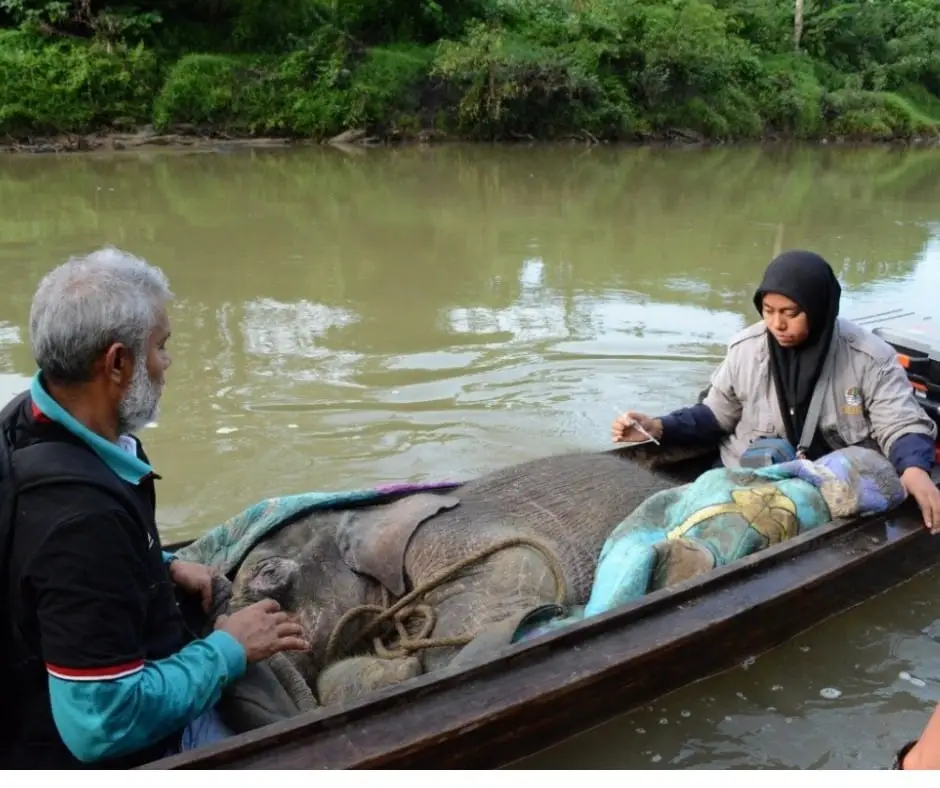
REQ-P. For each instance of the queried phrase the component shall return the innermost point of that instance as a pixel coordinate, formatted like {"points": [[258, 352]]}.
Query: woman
{"points": [[764, 387]]}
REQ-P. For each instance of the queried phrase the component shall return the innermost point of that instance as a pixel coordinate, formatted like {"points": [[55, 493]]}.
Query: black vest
{"points": [[46, 454]]}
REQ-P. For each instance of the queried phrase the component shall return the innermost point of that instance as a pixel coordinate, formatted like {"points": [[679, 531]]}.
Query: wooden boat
{"points": [[535, 694]]}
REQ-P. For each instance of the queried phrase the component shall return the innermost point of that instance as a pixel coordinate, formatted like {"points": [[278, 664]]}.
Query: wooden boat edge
{"points": [[657, 605]]}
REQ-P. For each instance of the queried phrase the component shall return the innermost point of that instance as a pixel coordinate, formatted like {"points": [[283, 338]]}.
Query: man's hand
{"points": [[194, 578], [263, 629], [921, 488]]}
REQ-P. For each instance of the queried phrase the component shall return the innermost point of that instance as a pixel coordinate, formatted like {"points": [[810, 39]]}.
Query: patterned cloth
{"points": [[729, 513]]}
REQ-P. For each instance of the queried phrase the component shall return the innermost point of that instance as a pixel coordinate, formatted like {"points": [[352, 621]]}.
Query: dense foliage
{"points": [[485, 69]]}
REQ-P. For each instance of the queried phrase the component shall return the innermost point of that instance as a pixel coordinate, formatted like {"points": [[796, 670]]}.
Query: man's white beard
{"points": [[142, 400]]}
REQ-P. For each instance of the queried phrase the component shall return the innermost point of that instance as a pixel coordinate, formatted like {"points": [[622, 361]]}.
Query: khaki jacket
{"points": [[870, 400]]}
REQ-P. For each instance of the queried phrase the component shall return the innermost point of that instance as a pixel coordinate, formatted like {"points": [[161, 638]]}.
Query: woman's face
{"points": [[785, 320]]}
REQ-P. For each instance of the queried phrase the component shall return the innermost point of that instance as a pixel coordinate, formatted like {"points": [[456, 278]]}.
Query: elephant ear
{"points": [[374, 542]]}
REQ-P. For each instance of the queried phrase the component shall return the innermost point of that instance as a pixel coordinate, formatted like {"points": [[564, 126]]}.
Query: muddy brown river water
{"points": [[343, 320]]}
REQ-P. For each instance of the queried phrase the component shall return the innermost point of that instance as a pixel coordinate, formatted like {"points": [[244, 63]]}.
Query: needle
{"points": [[637, 426]]}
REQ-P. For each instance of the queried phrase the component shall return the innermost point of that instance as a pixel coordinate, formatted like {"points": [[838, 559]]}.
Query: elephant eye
{"points": [[274, 577]]}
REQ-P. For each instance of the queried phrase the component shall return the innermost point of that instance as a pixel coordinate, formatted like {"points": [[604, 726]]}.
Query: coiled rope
{"points": [[421, 616]]}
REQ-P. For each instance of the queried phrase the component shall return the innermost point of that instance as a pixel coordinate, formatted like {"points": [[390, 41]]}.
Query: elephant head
{"points": [[300, 566]]}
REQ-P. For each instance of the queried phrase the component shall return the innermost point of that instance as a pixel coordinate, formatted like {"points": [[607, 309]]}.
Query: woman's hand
{"points": [[922, 489], [624, 429]]}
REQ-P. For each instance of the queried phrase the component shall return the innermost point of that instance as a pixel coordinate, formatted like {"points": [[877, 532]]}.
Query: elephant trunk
{"points": [[293, 683]]}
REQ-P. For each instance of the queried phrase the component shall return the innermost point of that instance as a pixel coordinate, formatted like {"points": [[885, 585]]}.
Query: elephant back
{"points": [[568, 503]]}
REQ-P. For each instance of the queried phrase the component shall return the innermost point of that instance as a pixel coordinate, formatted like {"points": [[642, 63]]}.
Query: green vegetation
{"points": [[477, 69]]}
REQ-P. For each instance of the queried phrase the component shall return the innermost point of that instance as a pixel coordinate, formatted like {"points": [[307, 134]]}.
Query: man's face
{"points": [[139, 404]]}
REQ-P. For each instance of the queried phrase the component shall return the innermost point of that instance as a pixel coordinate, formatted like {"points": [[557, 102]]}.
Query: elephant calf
{"points": [[556, 512]]}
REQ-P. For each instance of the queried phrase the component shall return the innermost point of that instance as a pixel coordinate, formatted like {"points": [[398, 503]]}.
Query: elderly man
{"points": [[108, 673]]}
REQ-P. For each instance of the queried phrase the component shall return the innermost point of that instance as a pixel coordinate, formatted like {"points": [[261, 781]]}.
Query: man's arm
{"points": [[106, 718], [92, 592]]}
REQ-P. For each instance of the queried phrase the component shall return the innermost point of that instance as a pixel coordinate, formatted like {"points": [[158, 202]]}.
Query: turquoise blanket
{"points": [[727, 514], [225, 546]]}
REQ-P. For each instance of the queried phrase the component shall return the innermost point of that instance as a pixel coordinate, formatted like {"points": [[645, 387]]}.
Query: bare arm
{"points": [[925, 754]]}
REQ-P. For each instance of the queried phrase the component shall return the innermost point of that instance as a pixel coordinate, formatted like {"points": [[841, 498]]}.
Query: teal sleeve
{"points": [[105, 719], [167, 557]]}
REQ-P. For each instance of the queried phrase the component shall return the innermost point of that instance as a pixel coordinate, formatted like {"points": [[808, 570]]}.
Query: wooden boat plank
{"points": [[558, 685]]}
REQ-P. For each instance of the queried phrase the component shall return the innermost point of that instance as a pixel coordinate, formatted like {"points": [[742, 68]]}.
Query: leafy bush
{"points": [[308, 92], [491, 69], [66, 86], [870, 115]]}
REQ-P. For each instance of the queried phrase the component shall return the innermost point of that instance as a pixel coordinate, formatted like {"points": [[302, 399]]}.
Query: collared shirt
{"points": [[121, 457], [94, 602], [869, 402]]}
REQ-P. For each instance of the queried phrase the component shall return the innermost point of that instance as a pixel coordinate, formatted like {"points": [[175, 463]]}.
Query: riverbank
{"points": [[357, 141], [587, 71], [145, 138]]}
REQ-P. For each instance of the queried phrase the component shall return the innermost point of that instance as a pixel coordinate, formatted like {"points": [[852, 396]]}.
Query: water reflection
{"points": [[417, 314], [9, 337], [411, 314], [844, 695]]}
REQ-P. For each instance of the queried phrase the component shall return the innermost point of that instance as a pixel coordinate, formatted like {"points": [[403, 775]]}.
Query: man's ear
{"points": [[119, 365]]}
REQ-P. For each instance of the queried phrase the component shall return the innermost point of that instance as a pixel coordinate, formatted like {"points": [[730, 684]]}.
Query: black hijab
{"points": [[807, 279]]}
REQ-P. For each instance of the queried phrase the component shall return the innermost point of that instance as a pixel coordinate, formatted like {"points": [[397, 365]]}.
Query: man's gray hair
{"points": [[87, 304]]}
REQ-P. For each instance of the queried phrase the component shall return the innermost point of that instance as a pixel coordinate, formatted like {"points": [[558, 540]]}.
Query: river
{"points": [[348, 319]]}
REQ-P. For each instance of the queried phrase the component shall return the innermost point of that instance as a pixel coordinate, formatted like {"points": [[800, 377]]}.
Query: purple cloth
{"points": [[394, 488]]}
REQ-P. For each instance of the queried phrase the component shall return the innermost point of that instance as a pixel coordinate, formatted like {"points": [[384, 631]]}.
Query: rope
{"points": [[408, 607]]}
